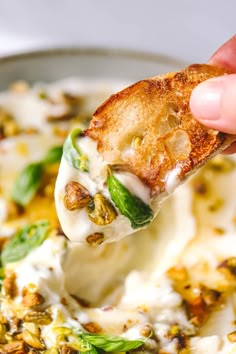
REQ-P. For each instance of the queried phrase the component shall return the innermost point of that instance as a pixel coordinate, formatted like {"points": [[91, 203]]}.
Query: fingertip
{"points": [[225, 55], [213, 103], [205, 100]]}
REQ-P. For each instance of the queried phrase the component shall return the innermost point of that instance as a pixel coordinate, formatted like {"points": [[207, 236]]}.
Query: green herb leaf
{"points": [[110, 343], [27, 183], [86, 347], [28, 180], [25, 240], [2, 276], [53, 155], [72, 152], [139, 213]]}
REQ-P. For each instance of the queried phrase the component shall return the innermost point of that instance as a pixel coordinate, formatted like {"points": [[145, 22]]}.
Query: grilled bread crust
{"points": [[148, 128]]}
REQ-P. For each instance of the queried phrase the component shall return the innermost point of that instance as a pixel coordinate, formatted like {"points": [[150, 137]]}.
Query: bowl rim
{"points": [[92, 51]]}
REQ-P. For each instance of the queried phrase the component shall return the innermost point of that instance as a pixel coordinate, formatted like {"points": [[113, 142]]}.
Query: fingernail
{"points": [[205, 100]]}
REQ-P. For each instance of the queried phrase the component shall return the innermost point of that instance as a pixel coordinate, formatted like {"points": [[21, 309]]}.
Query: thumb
{"points": [[213, 103]]}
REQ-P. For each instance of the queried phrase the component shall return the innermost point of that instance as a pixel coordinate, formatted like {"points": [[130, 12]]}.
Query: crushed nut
{"points": [[62, 334], [228, 265], [15, 347], [42, 95], [2, 334], [3, 319], [136, 142], [64, 301], [32, 340], [32, 328], [60, 132], [76, 197], [216, 205], [211, 296], [13, 210], [219, 230], [30, 130], [232, 337], [31, 299], [66, 349], [3, 241], [41, 318], [15, 324], [178, 273], [93, 327], [179, 337], [101, 211], [200, 306], [9, 284], [200, 187], [8, 126], [147, 330], [95, 239]]}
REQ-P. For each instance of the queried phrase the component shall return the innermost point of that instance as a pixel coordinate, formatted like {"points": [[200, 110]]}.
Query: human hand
{"points": [[213, 102]]}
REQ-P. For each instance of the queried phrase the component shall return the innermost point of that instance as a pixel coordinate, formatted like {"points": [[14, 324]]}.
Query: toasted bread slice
{"points": [[148, 128]]}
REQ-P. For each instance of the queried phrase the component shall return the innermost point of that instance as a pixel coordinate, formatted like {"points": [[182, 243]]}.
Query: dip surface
{"points": [[173, 283]]}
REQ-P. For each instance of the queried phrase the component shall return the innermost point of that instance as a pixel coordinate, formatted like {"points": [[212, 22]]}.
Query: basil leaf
{"points": [[86, 347], [139, 213], [2, 276], [110, 343], [72, 152], [25, 240], [53, 155], [27, 183]]}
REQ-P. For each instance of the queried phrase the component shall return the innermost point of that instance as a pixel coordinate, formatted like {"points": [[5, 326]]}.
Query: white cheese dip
{"points": [[76, 224], [150, 280]]}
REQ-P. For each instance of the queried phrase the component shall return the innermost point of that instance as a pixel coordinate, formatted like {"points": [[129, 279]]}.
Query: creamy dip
{"points": [[173, 283]]}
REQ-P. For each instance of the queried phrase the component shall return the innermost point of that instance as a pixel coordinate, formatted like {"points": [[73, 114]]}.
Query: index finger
{"points": [[225, 56]]}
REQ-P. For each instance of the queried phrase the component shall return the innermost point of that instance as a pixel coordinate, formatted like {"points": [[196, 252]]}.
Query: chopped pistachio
{"points": [[8, 125], [42, 95], [17, 346], [9, 284], [101, 211], [181, 339], [2, 334], [32, 328], [216, 205], [232, 337], [93, 327], [32, 299], [41, 318], [32, 340], [67, 349], [229, 265], [95, 239], [76, 197], [136, 142]]}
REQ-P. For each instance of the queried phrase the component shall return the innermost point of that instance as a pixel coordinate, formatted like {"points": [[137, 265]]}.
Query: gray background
{"points": [[184, 29]]}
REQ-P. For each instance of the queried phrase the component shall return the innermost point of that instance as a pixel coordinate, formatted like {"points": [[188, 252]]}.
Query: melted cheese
{"points": [[76, 224]]}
